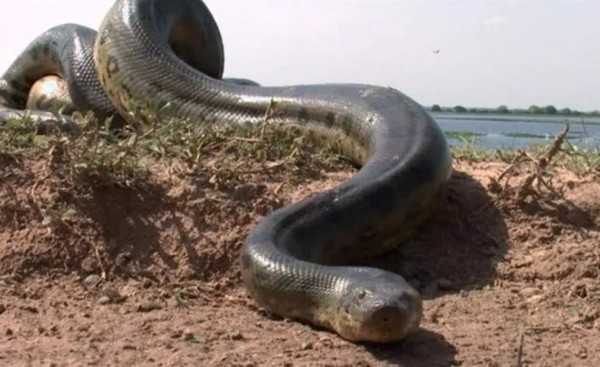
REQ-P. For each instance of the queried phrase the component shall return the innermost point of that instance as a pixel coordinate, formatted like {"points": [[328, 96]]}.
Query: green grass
{"points": [[96, 156]]}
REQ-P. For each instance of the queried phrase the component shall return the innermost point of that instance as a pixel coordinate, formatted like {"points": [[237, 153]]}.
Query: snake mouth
{"points": [[380, 309], [388, 323]]}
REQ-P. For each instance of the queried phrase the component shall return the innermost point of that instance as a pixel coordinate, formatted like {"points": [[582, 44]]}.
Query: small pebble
{"points": [[83, 328], [92, 280], [535, 299], [529, 291], [237, 336], [30, 308], [327, 342], [113, 295], [445, 284], [188, 336], [149, 307], [307, 346], [176, 334], [146, 283], [104, 300]]}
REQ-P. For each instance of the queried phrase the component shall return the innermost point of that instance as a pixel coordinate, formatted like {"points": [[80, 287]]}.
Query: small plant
{"points": [[542, 161], [57, 217]]}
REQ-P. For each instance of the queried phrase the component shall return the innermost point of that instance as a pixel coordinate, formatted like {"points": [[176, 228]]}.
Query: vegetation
{"points": [[564, 155], [96, 156], [532, 110]]}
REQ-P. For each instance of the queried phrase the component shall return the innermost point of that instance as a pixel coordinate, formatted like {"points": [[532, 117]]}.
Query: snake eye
{"points": [[361, 294]]}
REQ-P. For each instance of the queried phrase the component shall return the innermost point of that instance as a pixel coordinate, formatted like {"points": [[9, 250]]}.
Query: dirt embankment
{"points": [[491, 270]]}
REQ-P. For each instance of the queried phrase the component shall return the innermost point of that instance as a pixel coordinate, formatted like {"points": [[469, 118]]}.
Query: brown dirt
{"points": [[490, 270]]}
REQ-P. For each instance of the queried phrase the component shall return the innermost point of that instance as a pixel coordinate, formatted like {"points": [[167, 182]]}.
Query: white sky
{"points": [[515, 53]]}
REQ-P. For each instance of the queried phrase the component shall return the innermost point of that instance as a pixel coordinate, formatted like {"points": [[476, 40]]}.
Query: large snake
{"points": [[153, 52]]}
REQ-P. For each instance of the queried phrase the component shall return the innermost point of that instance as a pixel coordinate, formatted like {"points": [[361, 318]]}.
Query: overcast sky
{"points": [[512, 52]]}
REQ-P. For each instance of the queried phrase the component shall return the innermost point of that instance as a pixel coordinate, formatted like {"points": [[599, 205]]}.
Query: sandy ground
{"points": [[496, 275]]}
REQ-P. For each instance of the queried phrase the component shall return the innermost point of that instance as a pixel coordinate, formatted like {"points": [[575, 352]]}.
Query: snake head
{"points": [[380, 307]]}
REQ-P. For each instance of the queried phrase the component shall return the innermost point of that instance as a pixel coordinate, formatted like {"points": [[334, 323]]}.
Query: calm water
{"points": [[514, 133]]}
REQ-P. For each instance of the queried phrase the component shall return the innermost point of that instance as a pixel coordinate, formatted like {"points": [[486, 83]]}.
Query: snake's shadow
{"points": [[457, 249], [423, 349]]}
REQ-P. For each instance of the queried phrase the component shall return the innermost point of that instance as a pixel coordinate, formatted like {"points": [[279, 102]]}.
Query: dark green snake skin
{"points": [[152, 52]]}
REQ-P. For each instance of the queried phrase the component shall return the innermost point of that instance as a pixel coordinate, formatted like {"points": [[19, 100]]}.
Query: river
{"points": [[501, 131]]}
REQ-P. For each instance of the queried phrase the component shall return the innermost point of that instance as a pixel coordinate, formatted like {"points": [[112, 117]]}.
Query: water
{"points": [[492, 132]]}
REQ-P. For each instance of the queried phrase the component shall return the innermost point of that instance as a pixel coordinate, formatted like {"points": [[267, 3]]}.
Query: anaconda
{"points": [[295, 261]]}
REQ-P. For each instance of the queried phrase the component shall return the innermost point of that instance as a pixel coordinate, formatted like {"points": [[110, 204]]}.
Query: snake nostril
{"points": [[389, 315]]}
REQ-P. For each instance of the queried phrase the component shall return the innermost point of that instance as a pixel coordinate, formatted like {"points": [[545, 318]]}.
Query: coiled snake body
{"points": [[150, 52]]}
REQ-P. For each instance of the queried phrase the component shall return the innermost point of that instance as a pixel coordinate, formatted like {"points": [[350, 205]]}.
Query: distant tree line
{"points": [[533, 109]]}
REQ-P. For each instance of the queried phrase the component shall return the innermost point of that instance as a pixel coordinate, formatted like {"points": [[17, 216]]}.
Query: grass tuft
{"points": [[96, 156]]}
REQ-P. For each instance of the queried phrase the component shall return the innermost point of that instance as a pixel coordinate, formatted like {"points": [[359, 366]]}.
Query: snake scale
{"points": [[294, 261]]}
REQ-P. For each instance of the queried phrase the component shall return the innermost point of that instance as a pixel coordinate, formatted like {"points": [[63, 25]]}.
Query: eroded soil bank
{"points": [[489, 267]]}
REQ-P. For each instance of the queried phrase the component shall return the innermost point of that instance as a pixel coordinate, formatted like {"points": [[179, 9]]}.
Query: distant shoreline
{"points": [[542, 118]]}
